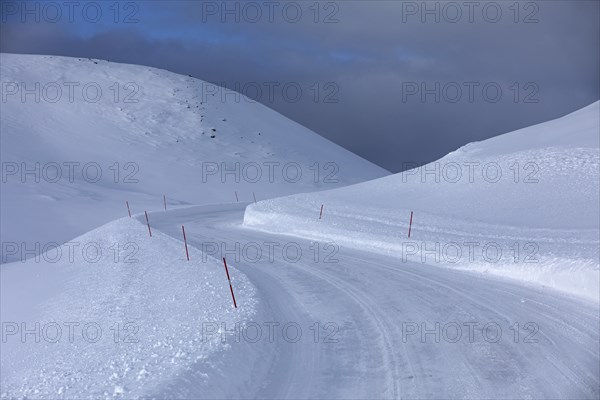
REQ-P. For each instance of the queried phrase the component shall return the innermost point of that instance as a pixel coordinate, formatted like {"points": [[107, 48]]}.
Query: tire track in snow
{"points": [[503, 370]]}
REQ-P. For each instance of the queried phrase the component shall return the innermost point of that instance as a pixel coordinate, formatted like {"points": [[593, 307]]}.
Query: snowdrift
{"points": [[523, 205], [118, 313], [79, 137]]}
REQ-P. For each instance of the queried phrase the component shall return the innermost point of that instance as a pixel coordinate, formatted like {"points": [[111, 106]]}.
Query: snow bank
{"points": [[115, 313], [524, 205]]}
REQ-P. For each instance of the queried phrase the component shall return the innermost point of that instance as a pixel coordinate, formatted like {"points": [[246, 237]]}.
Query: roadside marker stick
{"points": [[229, 279], [410, 224], [148, 222], [185, 241], [236, 197], [165, 201], [128, 210], [321, 214]]}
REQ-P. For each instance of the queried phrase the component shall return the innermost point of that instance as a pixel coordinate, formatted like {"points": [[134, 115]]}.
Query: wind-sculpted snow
{"points": [[524, 205], [115, 313]]}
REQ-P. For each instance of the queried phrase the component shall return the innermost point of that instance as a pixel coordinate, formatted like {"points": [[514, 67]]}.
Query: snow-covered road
{"points": [[373, 326]]}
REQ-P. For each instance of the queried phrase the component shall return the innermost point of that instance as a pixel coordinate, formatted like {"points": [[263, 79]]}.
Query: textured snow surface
{"points": [[126, 322], [533, 194]]}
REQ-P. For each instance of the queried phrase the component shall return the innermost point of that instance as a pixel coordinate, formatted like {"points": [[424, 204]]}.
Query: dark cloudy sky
{"points": [[393, 81]]}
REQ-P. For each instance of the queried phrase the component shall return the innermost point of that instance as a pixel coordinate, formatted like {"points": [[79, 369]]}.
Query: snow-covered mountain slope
{"points": [[523, 205], [100, 134]]}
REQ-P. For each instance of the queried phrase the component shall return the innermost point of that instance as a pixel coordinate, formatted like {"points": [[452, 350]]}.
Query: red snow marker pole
{"points": [[185, 241], [253, 195], [321, 214], [128, 210], [410, 225], [229, 279], [148, 222], [165, 201], [236, 197]]}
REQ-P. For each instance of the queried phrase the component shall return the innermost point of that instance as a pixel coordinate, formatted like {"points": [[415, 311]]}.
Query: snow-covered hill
{"points": [[524, 205], [100, 134]]}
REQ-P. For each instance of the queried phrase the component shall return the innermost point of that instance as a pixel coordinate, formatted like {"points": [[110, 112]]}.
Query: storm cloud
{"points": [[395, 82]]}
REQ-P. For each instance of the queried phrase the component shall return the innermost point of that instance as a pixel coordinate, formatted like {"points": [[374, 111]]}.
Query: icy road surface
{"points": [[386, 328]]}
